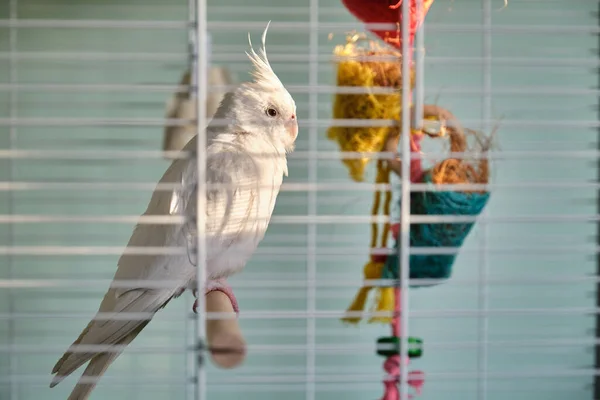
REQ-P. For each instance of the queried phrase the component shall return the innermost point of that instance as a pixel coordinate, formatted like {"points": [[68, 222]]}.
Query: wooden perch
{"points": [[224, 336]]}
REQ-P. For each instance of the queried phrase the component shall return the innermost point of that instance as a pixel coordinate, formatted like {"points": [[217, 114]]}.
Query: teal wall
{"points": [[545, 105]]}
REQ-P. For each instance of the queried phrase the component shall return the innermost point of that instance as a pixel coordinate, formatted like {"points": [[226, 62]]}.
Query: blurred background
{"points": [[83, 85]]}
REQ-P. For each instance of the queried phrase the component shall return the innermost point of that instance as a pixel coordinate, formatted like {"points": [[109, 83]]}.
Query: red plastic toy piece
{"points": [[388, 12]]}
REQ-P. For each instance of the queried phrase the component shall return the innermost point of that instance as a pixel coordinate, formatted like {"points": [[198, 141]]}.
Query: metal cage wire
{"points": [[305, 375]]}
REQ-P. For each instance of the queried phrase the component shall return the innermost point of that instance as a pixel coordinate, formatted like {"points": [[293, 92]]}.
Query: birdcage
{"points": [[85, 138]]}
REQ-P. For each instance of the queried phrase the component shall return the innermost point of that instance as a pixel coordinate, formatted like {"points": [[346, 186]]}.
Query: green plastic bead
{"points": [[390, 345]]}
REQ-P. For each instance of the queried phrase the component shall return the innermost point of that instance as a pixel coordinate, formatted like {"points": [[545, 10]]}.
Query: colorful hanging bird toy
{"points": [[383, 77]]}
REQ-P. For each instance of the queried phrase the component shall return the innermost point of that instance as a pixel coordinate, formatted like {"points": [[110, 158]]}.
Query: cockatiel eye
{"points": [[271, 112]]}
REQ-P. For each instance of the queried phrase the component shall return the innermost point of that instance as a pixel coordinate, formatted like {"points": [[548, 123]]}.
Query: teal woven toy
{"points": [[436, 266], [451, 203]]}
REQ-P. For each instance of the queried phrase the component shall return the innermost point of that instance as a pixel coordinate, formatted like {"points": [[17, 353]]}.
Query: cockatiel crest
{"points": [[245, 165], [263, 73]]}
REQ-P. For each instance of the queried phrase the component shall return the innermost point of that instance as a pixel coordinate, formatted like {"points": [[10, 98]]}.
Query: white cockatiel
{"points": [[248, 155]]}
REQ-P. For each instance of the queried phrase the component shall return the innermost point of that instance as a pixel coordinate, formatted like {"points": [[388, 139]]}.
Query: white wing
{"points": [[228, 212], [232, 209], [137, 298]]}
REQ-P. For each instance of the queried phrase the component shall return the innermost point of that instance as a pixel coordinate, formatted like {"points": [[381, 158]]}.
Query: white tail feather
{"points": [[96, 368]]}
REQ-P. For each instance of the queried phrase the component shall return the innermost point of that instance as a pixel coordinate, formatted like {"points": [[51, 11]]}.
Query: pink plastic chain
{"points": [[416, 379]]}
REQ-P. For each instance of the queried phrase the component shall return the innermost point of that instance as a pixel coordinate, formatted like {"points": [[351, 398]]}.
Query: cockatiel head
{"points": [[262, 108]]}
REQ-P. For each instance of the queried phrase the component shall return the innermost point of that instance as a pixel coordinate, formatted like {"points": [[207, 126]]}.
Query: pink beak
{"points": [[292, 127]]}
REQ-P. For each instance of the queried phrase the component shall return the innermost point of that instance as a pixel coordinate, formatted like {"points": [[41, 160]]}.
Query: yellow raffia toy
{"points": [[352, 71], [355, 72]]}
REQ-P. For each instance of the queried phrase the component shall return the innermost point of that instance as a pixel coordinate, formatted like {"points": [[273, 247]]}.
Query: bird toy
{"points": [[380, 104], [431, 266], [389, 12], [439, 123], [379, 75], [436, 267], [392, 364], [376, 105]]}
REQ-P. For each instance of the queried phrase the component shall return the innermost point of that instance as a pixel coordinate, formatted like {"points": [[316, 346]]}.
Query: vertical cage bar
{"points": [[483, 286], [419, 68], [597, 346], [404, 246], [13, 114], [190, 336], [201, 87], [311, 270]]}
